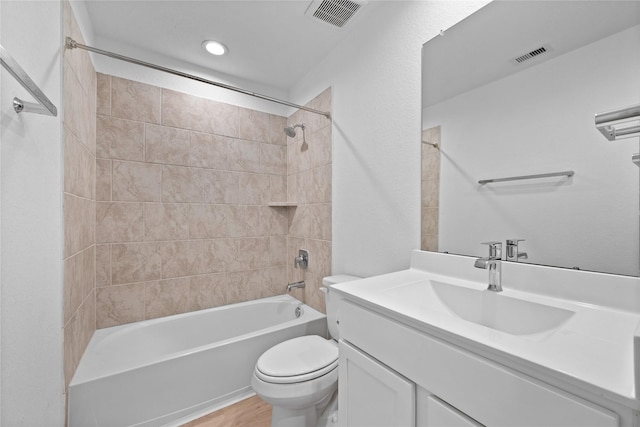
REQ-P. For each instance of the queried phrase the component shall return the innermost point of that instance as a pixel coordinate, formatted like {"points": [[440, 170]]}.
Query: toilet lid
{"points": [[296, 360]]}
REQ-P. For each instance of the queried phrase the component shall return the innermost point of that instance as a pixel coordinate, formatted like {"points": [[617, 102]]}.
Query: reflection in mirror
{"points": [[512, 91]]}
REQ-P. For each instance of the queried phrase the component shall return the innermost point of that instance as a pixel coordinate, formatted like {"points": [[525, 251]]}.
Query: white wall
{"points": [[537, 121], [31, 228], [376, 79]]}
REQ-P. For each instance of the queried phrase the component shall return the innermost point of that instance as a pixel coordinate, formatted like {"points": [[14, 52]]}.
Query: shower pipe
{"points": [[72, 44]]}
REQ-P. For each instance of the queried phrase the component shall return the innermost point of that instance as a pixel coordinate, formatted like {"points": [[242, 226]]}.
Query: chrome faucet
{"points": [[512, 250], [295, 285], [494, 264]]}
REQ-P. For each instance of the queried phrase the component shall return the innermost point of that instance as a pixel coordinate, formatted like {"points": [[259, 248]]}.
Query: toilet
{"points": [[299, 377]]}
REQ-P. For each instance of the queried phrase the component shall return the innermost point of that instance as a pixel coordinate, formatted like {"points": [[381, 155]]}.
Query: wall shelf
{"points": [[282, 204]]}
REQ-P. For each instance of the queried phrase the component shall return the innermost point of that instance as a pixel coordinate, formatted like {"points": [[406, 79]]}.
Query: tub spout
{"points": [[294, 285]]}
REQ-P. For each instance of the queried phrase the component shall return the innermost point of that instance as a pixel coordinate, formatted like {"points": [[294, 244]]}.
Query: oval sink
{"points": [[497, 311]]}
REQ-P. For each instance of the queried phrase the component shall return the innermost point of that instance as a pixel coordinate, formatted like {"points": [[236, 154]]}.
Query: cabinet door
{"points": [[371, 394]]}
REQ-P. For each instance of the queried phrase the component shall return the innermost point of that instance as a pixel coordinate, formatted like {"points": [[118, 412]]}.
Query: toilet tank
{"points": [[332, 300]]}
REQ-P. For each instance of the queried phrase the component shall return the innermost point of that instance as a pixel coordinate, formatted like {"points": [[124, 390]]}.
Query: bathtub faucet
{"points": [[294, 285]]}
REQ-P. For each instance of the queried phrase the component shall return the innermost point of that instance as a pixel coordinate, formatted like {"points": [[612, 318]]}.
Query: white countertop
{"points": [[592, 350]]}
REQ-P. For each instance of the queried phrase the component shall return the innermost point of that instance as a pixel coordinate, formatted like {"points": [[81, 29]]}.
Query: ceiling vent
{"points": [[334, 12], [530, 55]]}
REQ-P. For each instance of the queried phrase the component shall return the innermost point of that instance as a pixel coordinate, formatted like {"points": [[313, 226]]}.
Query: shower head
{"points": [[291, 130]]}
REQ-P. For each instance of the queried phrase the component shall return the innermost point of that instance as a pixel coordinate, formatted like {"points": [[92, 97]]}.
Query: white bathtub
{"points": [[155, 372]]}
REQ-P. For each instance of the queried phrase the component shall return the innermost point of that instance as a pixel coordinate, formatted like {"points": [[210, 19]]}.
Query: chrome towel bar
{"points": [[608, 123], [44, 106], [516, 178]]}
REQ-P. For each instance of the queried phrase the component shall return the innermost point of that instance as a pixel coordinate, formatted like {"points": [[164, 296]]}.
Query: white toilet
{"points": [[299, 377]]}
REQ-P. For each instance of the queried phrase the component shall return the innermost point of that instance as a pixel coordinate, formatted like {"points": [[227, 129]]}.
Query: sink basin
{"points": [[497, 311]]}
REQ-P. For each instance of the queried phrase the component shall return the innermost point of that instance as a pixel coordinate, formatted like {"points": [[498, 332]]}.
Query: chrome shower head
{"points": [[291, 130]]}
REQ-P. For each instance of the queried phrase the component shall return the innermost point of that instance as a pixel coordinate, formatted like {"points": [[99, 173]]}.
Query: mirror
{"points": [[512, 91]]}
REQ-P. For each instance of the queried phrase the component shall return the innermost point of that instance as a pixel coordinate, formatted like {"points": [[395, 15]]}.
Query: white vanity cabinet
{"points": [[371, 393], [388, 368]]}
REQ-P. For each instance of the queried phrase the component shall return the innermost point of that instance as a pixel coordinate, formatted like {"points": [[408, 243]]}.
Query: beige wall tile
{"points": [[209, 291], [79, 117], [193, 257], [210, 221], [136, 182], [119, 222], [119, 139], [77, 334], [103, 265], [244, 155], [181, 184], [219, 186], [167, 297], [79, 224], [209, 151], [135, 262], [117, 305], [166, 221], [203, 115], [79, 280], [103, 94], [293, 245], [273, 159], [79, 167], [166, 145], [253, 125], [135, 101], [278, 188], [276, 130], [273, 221], [76, 114], [430, 220], [312, 294], [247, 254], [429, 242], [103, 180], [430, 194], [274, 281], [278, 251], [319, 257], [254, 189]]}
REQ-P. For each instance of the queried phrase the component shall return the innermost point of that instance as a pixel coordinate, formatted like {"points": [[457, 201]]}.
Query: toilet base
{"points": [[323, 414], [287, 417], [329, 417]]}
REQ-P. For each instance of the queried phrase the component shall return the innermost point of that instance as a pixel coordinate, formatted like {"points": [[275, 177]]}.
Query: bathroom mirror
{"points": [[512, 91]]}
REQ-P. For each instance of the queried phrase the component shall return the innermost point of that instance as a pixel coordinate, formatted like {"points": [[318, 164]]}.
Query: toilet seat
{"points": [[297, 360]]}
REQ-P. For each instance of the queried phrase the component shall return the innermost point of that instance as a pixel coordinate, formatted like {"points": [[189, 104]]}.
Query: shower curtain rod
{"points": [[72, 44]]}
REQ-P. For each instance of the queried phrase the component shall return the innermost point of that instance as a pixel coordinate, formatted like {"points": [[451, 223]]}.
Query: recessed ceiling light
{"points": [[214, 47]]}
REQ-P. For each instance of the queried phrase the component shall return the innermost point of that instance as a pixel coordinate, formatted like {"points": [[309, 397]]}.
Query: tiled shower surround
{"points": [[183, 189], [167, 201], [79, 127], [430, 189]]}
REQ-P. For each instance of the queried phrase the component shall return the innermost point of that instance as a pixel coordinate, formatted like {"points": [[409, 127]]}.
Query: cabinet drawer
{"points": [[489, 393]]}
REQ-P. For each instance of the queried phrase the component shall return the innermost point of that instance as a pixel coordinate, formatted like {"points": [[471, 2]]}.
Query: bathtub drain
{"points": [[298, 311]]}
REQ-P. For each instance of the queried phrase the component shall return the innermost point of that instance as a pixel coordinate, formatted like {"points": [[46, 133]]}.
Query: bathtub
{"points": [[168, 370]]}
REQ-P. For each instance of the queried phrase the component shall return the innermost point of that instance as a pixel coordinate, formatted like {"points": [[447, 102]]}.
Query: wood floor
{"points": [[251, 412]]}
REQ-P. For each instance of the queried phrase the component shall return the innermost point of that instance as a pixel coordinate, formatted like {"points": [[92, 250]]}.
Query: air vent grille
{"points": [[334, 12], [530, 55]]}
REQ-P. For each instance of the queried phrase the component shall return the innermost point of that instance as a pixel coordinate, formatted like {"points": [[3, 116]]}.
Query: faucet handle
{"points": [[513, 252], [495, 249]]}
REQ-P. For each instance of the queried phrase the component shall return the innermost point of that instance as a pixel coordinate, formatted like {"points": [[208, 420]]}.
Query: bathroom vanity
{"points": [[431, 346]]}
